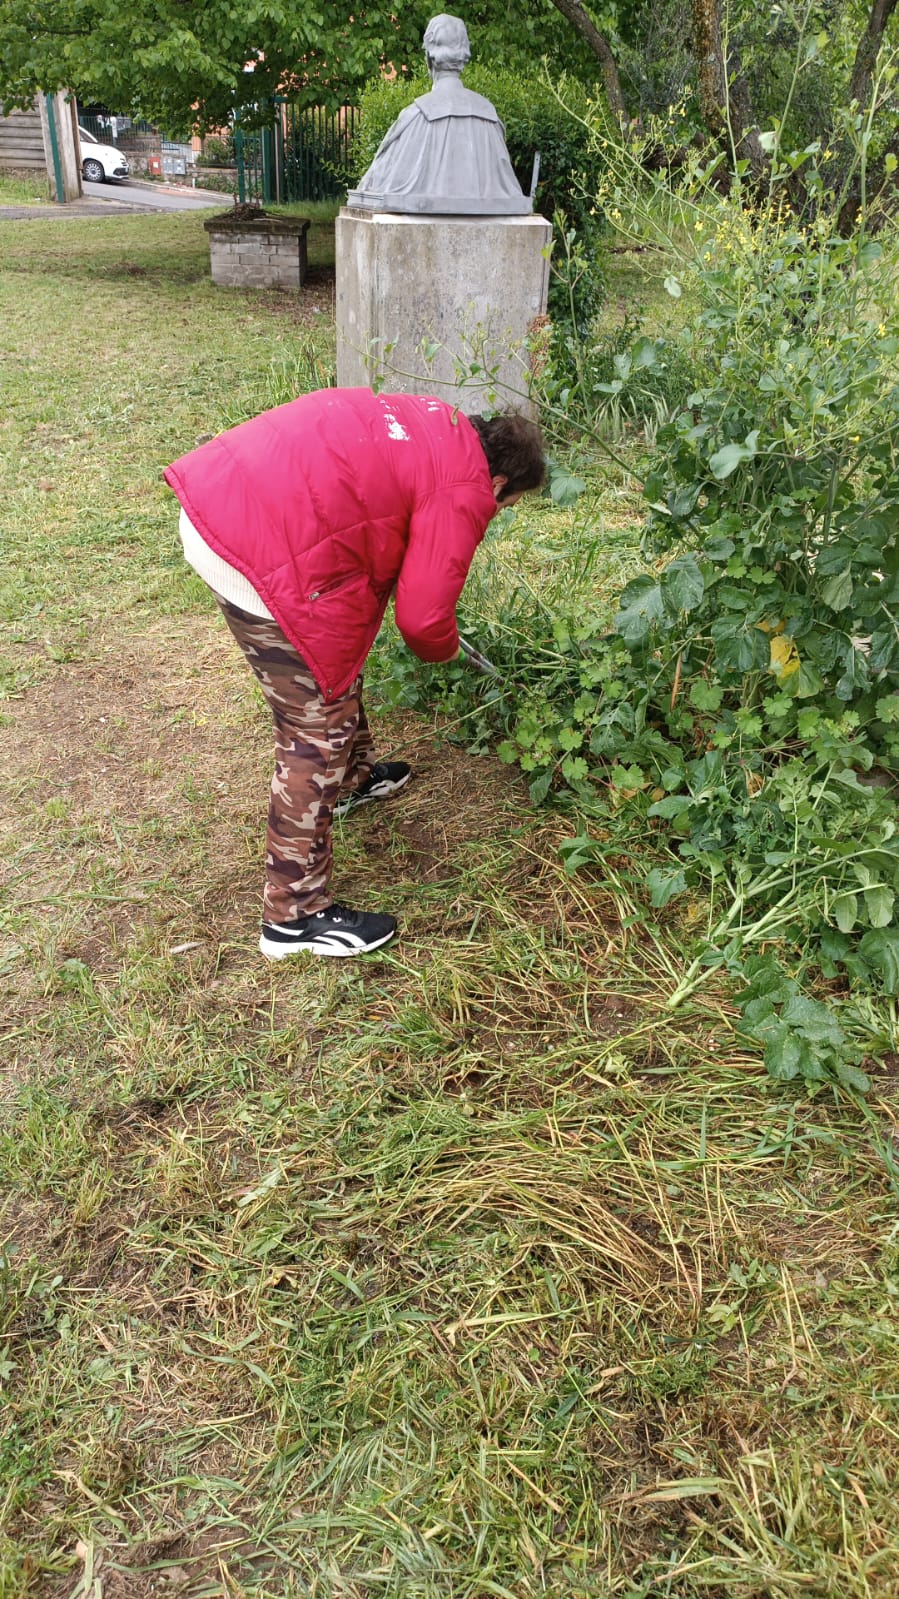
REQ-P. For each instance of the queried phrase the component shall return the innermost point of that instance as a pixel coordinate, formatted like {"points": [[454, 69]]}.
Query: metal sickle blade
{"points": [[477, 659]]}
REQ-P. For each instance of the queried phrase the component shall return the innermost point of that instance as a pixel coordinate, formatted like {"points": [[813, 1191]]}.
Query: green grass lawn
{"points": [[463, 1271], [19, 189]]}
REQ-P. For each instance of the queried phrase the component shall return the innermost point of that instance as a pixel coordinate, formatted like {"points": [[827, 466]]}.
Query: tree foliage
{"points": [[193, 65]]}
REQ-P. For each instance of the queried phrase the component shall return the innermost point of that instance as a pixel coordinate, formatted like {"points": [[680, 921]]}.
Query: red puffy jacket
{"points": [[326, 503]]}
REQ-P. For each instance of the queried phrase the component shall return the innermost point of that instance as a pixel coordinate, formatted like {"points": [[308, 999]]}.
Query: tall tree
{"points": [[598, 45], [724, 97], [181, 64], [869, 47]]}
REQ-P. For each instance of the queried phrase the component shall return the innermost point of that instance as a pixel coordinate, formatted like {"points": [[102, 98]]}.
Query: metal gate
{"points": [[302, 155]]}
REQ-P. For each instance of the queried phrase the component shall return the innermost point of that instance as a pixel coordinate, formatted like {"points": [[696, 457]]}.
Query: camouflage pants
{"points": [[321, 751]]}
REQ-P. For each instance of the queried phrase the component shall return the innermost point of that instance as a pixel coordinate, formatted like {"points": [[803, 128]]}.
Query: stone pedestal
{"points": [[417, 296], [257, 251]]}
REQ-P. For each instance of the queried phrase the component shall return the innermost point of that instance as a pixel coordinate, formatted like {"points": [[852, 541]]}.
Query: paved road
{"points": [[152, 196], [117, 199]]}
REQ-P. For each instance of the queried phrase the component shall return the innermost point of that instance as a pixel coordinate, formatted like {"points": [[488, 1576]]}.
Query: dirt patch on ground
{"points": [[137, 785]]}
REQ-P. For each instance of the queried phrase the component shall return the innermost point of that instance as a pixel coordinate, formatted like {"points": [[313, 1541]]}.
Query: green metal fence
{"points": [[301, 155]]}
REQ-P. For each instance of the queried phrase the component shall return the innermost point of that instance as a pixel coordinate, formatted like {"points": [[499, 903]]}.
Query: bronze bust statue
{"points": [[446, 152]]}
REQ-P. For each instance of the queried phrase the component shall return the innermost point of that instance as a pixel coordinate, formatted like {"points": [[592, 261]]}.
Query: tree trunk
{"points": [[575, 13], [860, 90], [724, 98], [709, 55], [869, 49]]}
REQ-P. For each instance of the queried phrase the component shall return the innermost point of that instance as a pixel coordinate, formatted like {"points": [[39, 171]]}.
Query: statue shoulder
{"points": [[450, 98]]}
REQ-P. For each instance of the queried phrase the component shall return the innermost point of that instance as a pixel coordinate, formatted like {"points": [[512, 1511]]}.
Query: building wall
{"points": [[22, 142], [140, 148]]}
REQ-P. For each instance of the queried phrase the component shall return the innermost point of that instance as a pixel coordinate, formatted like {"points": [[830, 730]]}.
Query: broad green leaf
{"points": [[880, 949], [729, 457], [719, 549], [670, 806], [855, 676], [869, 253], [845, 910], [837, 591], [682, 585], [673, 288], [641, 606], [746, 650], [574, 769], [706, 696], [879, 902], [783, 1055], [565, 489], [663, 884], [645, 353], [540, 787], [852, 1076], [808, 683], [815, 1021]]}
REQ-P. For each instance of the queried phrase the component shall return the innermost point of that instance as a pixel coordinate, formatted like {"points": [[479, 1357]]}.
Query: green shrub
{"points": [[217, 152], [745, 700], [216, 182]]}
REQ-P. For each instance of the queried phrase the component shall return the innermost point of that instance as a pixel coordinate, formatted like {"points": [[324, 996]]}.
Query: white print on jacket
{"points": [[395, 429]]}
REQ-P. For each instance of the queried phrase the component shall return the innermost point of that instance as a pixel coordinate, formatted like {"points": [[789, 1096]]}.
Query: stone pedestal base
{"points": [[419, 297], [257, 252]]}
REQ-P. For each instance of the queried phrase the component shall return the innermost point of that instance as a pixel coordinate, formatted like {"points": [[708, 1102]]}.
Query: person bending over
{"points": [[303, 522]]}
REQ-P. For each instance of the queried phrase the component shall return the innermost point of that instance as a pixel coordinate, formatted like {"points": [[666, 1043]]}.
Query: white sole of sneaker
{"points": [[277, 951], [380, 791]]}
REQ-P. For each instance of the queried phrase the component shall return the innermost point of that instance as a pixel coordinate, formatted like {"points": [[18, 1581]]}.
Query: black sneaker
{"points": [[384, 779], [335, 931]]}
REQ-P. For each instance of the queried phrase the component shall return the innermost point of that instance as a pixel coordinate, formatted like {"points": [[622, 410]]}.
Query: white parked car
{"points": [[100, 161]]}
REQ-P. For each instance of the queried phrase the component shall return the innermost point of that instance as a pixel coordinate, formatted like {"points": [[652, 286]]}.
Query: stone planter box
{"points": [[250, 250]]}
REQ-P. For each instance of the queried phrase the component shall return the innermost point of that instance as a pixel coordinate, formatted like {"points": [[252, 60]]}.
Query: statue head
{"points": [[446, 44]]}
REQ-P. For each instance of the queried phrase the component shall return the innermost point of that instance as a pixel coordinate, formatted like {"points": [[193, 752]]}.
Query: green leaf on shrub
{"points": [[880, 949], [645, 352], [641, 605], [628, 777], [663, 884], [837, 591], [670, 806], [682, 585], [845, 910], [744, 651], [565, 489], [879, 902], [855, 676], [706, 696], [574, 769], [729, 457]]}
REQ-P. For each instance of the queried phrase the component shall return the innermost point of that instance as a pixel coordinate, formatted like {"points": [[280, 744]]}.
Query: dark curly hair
{"points": [[514, 449]]}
